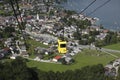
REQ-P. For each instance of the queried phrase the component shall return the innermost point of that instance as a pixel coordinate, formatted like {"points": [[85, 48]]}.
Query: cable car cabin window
{"points": [[62, 45]]}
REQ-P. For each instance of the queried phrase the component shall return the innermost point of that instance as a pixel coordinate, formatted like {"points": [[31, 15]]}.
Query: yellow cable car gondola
{"points": [[62, 46]]}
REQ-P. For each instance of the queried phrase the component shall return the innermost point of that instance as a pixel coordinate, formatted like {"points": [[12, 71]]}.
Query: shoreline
{"points": [[107, 25]]}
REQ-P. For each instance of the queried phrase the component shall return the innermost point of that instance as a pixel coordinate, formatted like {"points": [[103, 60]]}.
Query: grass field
{"points": [[1, 12], [117, 54], [85, 58], [34, 44], [113, 46]]}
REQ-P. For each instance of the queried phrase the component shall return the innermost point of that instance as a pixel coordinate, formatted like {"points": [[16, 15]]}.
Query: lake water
{"points": [[109, 14]]}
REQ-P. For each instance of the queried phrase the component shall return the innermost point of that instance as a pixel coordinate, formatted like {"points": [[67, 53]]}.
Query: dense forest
{"points": [[18, 70]]}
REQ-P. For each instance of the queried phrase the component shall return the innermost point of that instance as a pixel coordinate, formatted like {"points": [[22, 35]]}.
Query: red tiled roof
{"points": [[6, 49], [57, 57], [105, 31]]}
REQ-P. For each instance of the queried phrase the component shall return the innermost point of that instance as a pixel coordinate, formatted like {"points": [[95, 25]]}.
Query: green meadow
{"points": [[82, 59], [113, 46]]}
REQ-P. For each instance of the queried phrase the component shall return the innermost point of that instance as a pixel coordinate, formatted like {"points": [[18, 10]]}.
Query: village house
{"points": [[4, 52], [56, 58], [112, 68], [101, 36]]}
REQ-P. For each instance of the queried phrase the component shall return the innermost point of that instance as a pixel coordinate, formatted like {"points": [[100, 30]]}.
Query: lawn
{"points": [[117, 54], [113, 46], [6, 60], [85, 58], [34, 44], [1, 11]]}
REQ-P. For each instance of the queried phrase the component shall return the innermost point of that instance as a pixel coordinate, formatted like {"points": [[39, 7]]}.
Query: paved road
{"points": [[110, 50], [47, 61]]}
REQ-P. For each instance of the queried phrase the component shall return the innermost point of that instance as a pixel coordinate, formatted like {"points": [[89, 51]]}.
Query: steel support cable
{"points": [[19, 12], [15, 14], [99, 7], [88, 6], [20, 26]]}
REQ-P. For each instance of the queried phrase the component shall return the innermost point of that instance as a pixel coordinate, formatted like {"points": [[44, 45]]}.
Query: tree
{"points": [[91, 39], [69, 12], [111, 38], [99, 43], [77, 34], [51, 13], [94, 33], [8, 31], [1, 34], [18, 70], [1, 44], [83, 24], [15, 70]]}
